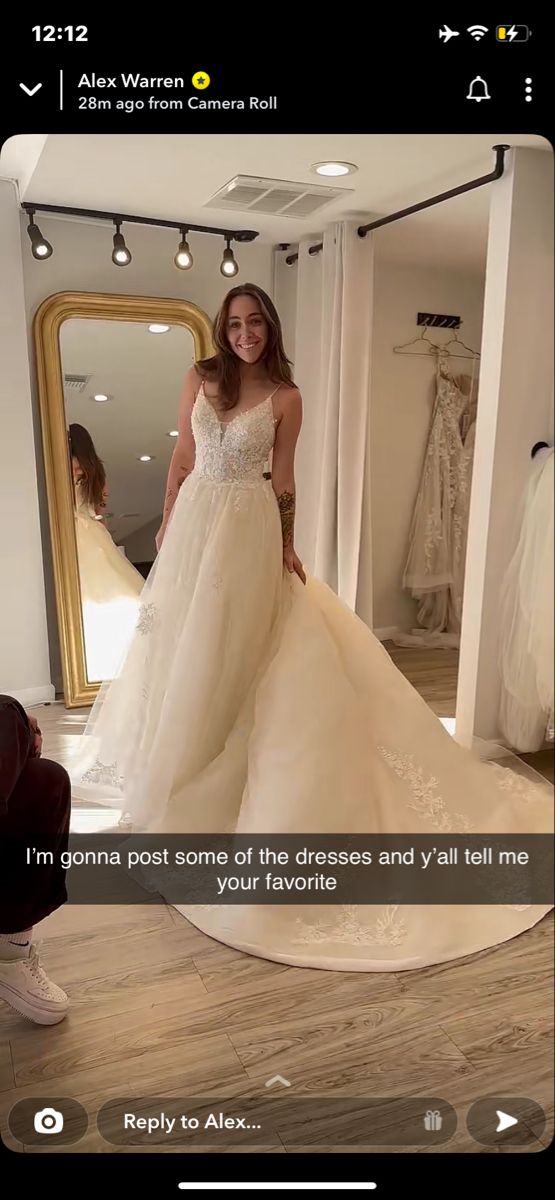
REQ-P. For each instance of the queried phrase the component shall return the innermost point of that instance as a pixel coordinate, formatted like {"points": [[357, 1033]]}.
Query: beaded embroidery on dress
{"points": [[250, 703]]}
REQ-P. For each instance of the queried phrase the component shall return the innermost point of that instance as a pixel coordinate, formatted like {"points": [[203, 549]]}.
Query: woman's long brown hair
{"points": [[224, 367], [81, 447]]}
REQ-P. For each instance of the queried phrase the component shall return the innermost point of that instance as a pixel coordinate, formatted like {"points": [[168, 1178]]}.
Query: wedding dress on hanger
{"points": [[434, 570], [526, 619], [251, 704]]}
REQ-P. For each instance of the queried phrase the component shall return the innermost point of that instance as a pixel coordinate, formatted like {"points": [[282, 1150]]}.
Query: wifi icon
{"points": [[477, 32]]}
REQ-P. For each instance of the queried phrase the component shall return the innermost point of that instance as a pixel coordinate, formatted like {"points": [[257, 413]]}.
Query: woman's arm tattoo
{"points": [[172, 492], [286, 504]]}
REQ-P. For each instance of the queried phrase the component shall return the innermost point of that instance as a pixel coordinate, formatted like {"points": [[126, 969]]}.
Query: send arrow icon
{"points": [[30, 91], [505, 1121]]}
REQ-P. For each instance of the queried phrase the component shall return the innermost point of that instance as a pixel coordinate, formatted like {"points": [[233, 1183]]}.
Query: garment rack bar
{"points": [[500, 152]]}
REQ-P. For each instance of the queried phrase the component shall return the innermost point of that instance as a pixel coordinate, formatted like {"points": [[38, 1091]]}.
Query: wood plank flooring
{"points": [[159, 1009]]}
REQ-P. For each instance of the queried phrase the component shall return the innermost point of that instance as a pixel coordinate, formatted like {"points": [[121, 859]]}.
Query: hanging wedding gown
{"points": [[250, 703], [434, 570], [110, 592], [526, 634]]}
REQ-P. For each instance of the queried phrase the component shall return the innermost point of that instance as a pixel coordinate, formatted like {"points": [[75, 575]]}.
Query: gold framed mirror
{"points": [[109, 367]]}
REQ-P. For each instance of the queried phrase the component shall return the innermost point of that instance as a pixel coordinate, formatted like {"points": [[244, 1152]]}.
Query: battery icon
{"points": [[512, 33]]}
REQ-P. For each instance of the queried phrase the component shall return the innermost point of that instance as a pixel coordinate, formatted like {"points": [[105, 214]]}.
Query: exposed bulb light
{"points": [[121, 256], [228, 265], [334, 169], [40, 248], [159, 328], [183, 259]]}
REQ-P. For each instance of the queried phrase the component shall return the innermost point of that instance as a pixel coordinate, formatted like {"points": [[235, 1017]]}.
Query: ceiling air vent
{"points": [[277, 197], [76, 383]]}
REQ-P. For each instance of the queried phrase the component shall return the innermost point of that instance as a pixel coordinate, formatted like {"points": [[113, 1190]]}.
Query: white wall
{"points": [[24, 665], [515, 409], [82, 262], [402, 394]]}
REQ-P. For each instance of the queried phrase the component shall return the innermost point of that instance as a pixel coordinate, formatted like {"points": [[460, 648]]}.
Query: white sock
{"points": [[15, 945]]}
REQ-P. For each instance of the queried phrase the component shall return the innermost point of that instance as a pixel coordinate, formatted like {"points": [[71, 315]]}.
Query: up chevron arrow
{"points": [[30, 91], [277, 1079]]}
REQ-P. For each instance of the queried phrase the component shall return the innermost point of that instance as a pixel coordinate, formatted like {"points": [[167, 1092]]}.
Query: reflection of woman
{"points": [[254, 702], [110, 585]]}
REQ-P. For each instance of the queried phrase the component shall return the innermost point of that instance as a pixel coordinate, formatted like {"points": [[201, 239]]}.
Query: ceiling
{"points": [[142, 373], [174, 176]]}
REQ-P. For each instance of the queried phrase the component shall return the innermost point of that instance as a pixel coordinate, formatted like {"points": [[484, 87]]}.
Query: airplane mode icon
{"points": [[446, 33]]}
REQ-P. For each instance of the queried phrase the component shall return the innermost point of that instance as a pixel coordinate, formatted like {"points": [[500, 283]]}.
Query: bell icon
{"points": [[478, 90]]}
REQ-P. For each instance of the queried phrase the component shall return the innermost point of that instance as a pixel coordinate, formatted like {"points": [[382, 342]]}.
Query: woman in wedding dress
{"points": [[110, 585], [252, 700]]}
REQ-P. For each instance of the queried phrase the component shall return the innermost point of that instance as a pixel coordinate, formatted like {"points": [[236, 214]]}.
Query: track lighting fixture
{"points": [[121, 256], [183, 259], [228, 265], [40, 248]]}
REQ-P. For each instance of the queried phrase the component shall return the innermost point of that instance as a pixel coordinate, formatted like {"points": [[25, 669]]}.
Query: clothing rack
{"points": [[362, 230]]}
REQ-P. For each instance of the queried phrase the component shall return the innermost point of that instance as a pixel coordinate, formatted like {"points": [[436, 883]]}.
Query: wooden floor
{"points": [[159, 1009]]}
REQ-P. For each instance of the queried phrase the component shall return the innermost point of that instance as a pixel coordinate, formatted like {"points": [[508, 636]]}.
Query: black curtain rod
{"points": [[235, 235], [362, 230]]}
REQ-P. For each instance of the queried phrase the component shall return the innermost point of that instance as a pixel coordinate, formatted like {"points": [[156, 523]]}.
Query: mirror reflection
{"points": [[122, 381]]}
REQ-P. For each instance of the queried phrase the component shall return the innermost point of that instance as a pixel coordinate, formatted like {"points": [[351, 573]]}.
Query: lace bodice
{"points": [[234, 451]]}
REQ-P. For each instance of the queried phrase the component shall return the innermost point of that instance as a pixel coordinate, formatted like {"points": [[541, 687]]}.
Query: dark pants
{"points": [[35, 807]]}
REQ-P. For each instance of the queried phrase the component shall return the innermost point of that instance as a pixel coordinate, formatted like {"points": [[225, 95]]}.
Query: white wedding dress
{"points": [[250, 703], [434, 571], [110, 592]]}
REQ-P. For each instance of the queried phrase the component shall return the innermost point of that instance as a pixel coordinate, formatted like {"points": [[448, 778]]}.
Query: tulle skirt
{"points": [[250, 703], [110, 593]]}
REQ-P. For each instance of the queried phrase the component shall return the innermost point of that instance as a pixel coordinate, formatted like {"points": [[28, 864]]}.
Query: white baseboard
{"points": [[385, 635], [28, 697]]}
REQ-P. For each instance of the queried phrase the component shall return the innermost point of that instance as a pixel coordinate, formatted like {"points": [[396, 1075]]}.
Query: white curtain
{"points": [[332, 369]]}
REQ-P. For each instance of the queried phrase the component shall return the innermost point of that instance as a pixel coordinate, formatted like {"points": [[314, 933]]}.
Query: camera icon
{"points": [[48, 1120]]}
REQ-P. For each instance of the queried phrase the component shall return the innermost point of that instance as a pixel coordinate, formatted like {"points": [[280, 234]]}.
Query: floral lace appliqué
{"points": [[103, 773], [147, 617], [509, 781], [426, 800], [387, 930]]}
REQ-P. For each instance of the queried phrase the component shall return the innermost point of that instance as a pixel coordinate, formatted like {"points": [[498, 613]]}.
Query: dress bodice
{"points": [[83, 507], [234, 451]]}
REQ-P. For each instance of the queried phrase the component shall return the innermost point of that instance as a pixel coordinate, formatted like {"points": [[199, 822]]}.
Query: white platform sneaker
{"points": [[25, 986]]}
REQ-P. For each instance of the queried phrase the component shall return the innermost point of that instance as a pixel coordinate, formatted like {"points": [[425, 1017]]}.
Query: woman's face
{"points": [[77, 469], [247, 329]]}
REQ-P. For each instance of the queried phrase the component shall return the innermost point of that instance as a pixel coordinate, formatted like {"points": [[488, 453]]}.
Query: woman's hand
{"points": [[37, 737], [293, 564]]}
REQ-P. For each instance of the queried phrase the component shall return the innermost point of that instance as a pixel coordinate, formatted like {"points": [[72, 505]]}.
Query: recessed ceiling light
{"points": [[159, 328], [334, 168], [173, 432], [100, 397], [146, 458]]}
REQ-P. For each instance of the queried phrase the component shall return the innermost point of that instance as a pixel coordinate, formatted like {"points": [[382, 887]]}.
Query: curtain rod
{"points": [[237, 235], [362, 230]]}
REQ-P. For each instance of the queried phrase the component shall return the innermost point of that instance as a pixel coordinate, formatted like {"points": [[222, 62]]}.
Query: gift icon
{"points": [[433, 1120]]}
